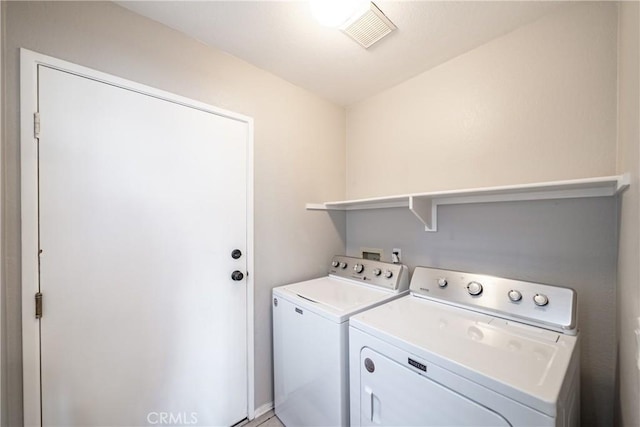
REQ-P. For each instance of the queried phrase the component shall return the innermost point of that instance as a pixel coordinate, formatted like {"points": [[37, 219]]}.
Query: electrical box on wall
{"points": [[374, 254]]}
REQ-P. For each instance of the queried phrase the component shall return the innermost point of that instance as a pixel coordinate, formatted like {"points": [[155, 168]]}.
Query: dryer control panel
{"points": [[394, 277], [537, 304]]}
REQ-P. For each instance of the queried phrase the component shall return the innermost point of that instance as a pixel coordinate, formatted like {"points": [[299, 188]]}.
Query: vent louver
{"points": [[369, 26]]}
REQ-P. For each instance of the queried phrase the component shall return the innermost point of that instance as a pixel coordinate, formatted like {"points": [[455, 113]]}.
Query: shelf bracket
{"points": [[623, 183], [426, 210]]}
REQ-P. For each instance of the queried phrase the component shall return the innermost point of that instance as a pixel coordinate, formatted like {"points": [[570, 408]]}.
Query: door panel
{"points": [[395, 395], [142, 201]]}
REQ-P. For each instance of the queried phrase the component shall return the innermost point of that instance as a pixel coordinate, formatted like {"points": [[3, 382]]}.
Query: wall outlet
{"points": [[396, 256]]}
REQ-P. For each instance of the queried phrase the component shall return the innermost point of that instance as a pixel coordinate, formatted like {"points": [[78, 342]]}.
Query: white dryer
{"points": [[467, 350], [310, 337]]}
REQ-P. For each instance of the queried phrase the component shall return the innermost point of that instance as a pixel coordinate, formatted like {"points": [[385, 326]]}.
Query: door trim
{"points": [[2, 334], [29, 62]]}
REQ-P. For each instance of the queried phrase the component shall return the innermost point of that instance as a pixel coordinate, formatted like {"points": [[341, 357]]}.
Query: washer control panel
{"points": [[394, 277], [546, 306]]}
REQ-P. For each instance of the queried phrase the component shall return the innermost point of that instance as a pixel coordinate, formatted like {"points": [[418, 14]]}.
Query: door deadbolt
{"points": [[236, 253]]}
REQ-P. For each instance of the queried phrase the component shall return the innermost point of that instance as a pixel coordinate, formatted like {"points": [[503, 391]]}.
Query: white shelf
{"points": [[425, 205]]}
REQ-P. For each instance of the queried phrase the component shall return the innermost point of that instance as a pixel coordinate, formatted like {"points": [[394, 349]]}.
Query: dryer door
{"points": [[395, 395]]}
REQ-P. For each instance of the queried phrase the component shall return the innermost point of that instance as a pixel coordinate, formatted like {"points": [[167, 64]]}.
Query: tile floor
{"points": [[265, 420]]}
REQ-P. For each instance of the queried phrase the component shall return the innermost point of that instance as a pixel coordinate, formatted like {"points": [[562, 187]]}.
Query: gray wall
{"points": [[566, 242]]}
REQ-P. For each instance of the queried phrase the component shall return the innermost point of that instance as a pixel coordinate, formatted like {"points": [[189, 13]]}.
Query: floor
{"points": [[265, 420]]}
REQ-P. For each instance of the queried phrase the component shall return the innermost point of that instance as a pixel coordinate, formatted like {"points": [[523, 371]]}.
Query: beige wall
{"points": [[536, 104], [628, 395], [299, 141]]}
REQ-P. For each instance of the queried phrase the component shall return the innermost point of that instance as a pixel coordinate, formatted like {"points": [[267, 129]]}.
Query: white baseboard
{"points": [[263, 409]]}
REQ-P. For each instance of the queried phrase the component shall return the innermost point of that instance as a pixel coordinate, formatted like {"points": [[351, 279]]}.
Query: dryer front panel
{"points": [[392, 395]]}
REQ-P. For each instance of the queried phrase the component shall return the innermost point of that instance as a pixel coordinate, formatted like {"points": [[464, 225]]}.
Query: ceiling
{"points": [[283, 38]]}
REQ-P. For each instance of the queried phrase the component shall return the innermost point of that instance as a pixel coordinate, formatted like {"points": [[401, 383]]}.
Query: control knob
{"points": [[358, 268], [388, 274], [540, 300], [343, 265], [335, 264], [377, 271], [474, 288], [442, 282], [514, 295]]}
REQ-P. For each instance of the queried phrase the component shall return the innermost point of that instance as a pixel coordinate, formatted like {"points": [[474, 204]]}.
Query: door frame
{"points": [[3, 340], [29, 62]]}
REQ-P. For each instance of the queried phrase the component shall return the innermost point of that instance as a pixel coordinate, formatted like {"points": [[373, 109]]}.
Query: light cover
{"points": [[333, 13]]}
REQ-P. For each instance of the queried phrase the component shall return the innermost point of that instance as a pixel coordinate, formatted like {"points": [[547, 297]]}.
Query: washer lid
{"points": [[525, 363], [333, 298]]}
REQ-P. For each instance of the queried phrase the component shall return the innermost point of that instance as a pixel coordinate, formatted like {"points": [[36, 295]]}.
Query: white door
{"points": [[141, 203]]}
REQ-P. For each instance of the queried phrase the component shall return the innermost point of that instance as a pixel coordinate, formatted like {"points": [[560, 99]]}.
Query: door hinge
{"points": [[36, 125], [38, 305]]}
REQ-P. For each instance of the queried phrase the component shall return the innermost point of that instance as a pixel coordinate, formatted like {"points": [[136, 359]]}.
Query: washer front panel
{"points": [[310, 367]]}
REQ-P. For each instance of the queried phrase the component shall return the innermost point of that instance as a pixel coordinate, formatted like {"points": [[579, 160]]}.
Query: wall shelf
{"points": [[425, 205]]}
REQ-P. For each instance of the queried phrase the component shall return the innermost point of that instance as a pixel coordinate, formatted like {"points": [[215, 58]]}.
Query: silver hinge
{"points": [[38, 305], [36, 125]]}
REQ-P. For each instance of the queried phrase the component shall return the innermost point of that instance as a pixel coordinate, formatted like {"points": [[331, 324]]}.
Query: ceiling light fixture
{"points": [[333, 13]]}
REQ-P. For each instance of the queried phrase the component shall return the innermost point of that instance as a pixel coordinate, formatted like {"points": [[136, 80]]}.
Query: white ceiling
{"points": [[282, 37]]}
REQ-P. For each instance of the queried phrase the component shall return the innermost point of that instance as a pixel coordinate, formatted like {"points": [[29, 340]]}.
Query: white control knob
{"points": [[442, 282], [514, 295], [474, 288], [540, 299], [388, 274], [335, 264], [358, 268], [377, 271], [343, 265]]}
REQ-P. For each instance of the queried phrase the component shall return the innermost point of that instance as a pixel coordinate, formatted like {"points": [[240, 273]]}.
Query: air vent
{"points": [[369, 26]]}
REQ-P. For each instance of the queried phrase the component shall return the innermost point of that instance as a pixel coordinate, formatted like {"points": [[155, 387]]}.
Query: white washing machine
{"points": [[310, 337], [467, 350]]}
